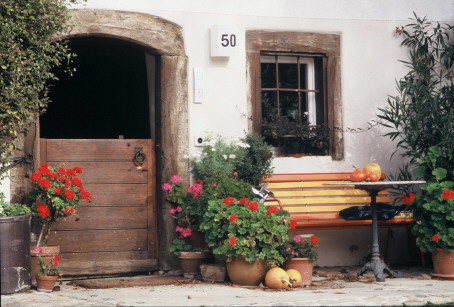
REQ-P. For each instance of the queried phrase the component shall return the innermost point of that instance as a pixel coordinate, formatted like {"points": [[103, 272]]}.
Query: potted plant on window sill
{"points": [[247, 235], [56, 193], [14, 231], [291, 137]]}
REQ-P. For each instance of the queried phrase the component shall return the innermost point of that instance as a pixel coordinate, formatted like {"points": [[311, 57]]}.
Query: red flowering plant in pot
{"points": [[56, 192], [189, 205]]}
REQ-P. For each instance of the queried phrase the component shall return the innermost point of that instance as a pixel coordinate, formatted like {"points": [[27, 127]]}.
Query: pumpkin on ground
{"points": [[294, 277], [277, 278]]}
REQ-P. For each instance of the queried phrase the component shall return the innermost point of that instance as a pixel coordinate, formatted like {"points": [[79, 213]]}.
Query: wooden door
{"points": [[117, 231]]}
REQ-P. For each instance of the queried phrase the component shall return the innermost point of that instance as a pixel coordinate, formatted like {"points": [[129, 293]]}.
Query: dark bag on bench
{"points": [[384, 212]]}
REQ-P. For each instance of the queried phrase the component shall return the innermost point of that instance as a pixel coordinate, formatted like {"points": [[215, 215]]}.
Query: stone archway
{"points": [[165, 40]]}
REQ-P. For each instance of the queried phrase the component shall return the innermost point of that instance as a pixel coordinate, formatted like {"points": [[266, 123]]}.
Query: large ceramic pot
{"points": [[304, 266], [190, 263], [443, 262], [47, 252], [245, 273], [15, 258], [46, 283]]}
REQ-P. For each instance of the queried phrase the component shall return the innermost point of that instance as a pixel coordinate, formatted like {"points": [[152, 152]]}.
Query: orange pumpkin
{"points": [[277, 278], [295, 277]]}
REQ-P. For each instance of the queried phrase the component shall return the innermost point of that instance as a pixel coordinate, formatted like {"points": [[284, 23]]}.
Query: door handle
{"points": [[139, 156]]}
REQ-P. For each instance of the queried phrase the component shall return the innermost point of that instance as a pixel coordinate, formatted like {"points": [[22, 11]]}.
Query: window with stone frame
{"points": [[295, 98]]}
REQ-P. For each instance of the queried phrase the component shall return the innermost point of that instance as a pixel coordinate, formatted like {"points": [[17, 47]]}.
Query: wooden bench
{"points": [[316, 206]]}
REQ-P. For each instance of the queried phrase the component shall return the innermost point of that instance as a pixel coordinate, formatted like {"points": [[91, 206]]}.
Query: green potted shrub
{"points": [[15, 220], [247, 235], [420, 120]]}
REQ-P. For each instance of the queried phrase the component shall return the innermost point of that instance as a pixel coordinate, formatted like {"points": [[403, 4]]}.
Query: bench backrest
{"points": [[306, 198]]}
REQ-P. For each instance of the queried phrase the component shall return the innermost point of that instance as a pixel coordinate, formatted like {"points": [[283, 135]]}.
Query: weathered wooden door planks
{"points": [[117, 231]]}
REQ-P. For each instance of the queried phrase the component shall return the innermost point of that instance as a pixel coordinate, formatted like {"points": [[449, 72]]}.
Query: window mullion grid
{"points": [[277, 86], [299, 88]]}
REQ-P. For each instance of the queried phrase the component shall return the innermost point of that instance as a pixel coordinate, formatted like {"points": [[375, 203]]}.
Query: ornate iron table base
{"points": [[379, 267]]}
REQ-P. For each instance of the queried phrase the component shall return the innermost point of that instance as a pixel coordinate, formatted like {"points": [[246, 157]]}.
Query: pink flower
{"points": [[186, 232], [179, 209], [38, 249], [167, 187], [297, 239], [175, 179], [195, 189], [172, 211]]}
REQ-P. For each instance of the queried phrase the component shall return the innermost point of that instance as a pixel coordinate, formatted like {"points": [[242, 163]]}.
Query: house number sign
{"points": [[224, 40]]}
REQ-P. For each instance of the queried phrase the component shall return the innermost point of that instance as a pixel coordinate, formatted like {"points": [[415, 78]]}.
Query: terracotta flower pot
{"points": [[48, 252], [443, 262], [245, 273], [304, 266], [46, 283]]}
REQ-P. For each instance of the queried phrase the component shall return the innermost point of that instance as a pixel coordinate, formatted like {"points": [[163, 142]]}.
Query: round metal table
{"points": [[373, 188]]}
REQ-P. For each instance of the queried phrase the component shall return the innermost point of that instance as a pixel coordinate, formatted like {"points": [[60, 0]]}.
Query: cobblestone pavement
{"points": [[329, 288]]}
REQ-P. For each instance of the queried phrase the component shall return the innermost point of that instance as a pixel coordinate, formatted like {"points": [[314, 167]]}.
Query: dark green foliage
{"points": [[29, 50], [421, 116]]}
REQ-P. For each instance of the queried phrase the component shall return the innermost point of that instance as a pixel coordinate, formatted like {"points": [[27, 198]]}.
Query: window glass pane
{"points": [[304, 110], [269, 105], [288, 75], [268, 75], [288, 103], [303, 76]]}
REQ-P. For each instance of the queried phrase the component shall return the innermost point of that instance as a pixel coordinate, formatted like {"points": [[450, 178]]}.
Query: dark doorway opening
{"points": [[107, 97]]}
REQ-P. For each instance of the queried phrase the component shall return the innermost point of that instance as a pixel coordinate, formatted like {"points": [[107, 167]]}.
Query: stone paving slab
{"points": [[329, 288]]}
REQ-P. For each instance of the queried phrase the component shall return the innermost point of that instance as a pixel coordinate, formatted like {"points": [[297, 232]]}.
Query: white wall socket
{"points": [[199, 141]]}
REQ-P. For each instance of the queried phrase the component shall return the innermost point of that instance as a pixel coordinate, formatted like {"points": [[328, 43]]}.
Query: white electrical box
{"points": [[224, 40], [198, 85]]}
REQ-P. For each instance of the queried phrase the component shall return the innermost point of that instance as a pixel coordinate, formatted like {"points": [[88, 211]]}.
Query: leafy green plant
{"points": [[236, 228], [29, 50], [189, 206], [300, 247], [435, 224], [247, 160], [12, 209], [48, 268], [420, 115]]}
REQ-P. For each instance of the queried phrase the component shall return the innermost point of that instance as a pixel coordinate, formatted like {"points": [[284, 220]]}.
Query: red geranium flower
{"points": [[447, 194], [435, 238], [314, 239], [229, 200], [69, 194], [233, 218], [244, 201], [71, 173], [85, 194], [57, 190], [42, 209], [45, 184], [57, 258], [292, 225], [78, 170], [232, 241], [253, 206], [408, 198], [76, 181], [61, 171], [271, 210], [36, 176]]}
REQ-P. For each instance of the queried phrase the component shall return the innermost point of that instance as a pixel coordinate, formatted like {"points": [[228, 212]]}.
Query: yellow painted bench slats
{"points": [[314, 205]]}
